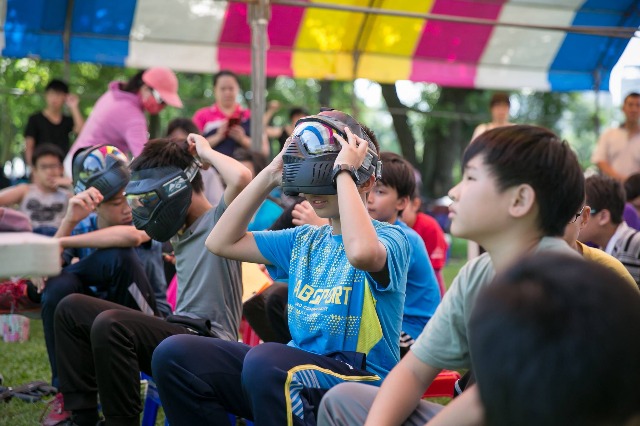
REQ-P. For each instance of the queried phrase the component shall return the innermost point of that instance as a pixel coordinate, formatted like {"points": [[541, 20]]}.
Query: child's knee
{"points": [[261, 365], [171, 350], [68, 306], [106, 327]]}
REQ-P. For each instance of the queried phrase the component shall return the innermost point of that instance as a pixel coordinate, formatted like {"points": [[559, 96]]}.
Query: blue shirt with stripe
{"points": [[332, 305]]}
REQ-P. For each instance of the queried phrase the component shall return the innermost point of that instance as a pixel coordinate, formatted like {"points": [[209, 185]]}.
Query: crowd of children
{"points": [[357, 323]]}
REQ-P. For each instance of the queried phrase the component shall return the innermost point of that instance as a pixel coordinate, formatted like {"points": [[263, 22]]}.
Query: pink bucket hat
{"points": [[165, 82]]}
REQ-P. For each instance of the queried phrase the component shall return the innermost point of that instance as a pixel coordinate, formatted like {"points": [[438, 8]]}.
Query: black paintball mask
{"points": [[309, 159], [159, 199]]}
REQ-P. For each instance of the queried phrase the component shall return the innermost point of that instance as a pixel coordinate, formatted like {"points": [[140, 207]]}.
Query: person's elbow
{"points": [[213, 244], [241, 179], [362, 257]]}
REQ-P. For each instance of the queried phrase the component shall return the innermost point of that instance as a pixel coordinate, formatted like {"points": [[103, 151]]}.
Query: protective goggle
{"points": [[157, 185], [316, 138], [97, 160], [157, 97], [317, 135]]}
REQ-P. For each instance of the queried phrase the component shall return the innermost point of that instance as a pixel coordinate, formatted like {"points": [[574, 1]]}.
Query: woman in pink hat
{"points": [[118, 116]]}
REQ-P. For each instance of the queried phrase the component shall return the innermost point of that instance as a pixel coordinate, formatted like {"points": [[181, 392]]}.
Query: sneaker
{"points": [[54, 413]]}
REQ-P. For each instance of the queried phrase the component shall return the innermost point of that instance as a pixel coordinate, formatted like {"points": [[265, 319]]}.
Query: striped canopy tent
{"points": [[449, 42], [508, 44]]}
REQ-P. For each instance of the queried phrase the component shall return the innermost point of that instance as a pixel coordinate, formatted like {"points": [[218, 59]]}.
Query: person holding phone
{"points": [[226, 124]]}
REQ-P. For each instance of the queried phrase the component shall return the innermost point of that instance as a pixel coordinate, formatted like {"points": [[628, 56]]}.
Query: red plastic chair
{"points": [[442, 385], [249, 336]]}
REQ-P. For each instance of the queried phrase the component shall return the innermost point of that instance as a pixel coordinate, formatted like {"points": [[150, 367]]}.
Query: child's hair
{"points": [[182, 123], [523, 154], [500, 98], [297, 111], [134, 84], [46, 149], [553, 341], [57, 85], [632, 186], [397, 173], [372, 136], [164, 152], [604, 192], [257, 159], [223, 73]]}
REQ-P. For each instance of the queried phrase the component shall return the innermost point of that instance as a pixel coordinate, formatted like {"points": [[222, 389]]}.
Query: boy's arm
{"points": [[29, 145], [80, 206], [401, 391], [113, 236], [361, 244], [234, 175], [464, 410], [229, 237], [72, 102], [13, 194]]}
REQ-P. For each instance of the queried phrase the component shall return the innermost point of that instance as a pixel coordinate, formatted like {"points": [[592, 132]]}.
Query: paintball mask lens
{"points": [[144, 205], [316, 138], [90, 166]]}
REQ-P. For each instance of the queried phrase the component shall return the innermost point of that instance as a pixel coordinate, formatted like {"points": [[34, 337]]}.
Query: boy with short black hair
{"points": [[102, 346], [346, 292], [606, 227], [521, 186], [544, 338], [51, 125], [44, 201], [386, 202], [96, 231]]}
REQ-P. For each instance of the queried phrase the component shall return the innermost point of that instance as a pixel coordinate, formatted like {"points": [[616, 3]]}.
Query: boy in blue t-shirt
{"points": [[346, 293], [386, 201]]}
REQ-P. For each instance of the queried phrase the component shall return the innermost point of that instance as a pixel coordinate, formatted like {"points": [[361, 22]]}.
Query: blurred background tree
{"points": [[431, 129]]}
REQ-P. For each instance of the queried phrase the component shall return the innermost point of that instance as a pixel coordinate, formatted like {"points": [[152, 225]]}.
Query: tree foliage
{"points": [[431, 131]]}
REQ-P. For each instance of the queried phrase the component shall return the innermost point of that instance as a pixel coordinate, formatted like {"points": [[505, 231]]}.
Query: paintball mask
{"points": [[309, 159], [103, 167], [159, 199]]}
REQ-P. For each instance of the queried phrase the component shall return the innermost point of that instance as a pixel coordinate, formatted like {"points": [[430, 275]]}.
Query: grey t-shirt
{"points": [[209, 286], [444, 341]]}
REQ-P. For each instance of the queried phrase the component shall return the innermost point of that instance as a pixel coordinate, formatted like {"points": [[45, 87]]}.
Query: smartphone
{"points": [[233, 121]]}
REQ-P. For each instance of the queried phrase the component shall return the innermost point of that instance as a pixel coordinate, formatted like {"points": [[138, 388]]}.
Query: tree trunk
{"points": [[400, 123]]}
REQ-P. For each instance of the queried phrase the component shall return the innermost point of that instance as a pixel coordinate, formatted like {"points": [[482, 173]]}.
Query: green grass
{"points": [[21, 363], [27, 361]]}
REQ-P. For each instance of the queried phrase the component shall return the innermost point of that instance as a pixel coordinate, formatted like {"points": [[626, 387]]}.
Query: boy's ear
{"points": [[523, 200], [368, 185], [604, 217], [402, 203]]}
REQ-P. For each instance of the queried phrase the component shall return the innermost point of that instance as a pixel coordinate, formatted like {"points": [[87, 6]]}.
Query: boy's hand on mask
{"points": [[82, 204], [353, 150], [276, 165], [199, 147]]}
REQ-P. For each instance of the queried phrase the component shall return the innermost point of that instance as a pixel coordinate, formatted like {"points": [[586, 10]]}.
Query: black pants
{"points": [[102, 347], [114, 274], [202, 379], [266, 313]]}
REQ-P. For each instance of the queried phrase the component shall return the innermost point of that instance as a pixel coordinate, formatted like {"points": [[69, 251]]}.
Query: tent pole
{"points": [[66, 39], [596, 114], [259, 15]]}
